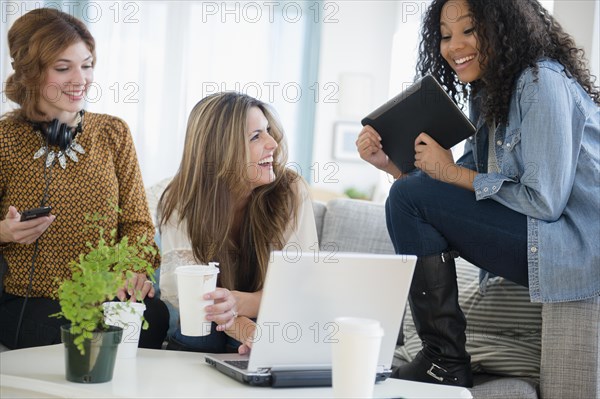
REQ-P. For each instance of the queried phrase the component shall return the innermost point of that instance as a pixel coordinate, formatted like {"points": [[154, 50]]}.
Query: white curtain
{"points": [[157, 59]]}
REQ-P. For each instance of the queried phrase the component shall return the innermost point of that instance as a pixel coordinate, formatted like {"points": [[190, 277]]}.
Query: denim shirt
{"points": [[548, 155]]}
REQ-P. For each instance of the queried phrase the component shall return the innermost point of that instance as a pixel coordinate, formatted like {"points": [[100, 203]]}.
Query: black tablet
{"points": [[423, 107]]}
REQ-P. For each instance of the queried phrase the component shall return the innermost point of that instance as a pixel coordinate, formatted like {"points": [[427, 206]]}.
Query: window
{"points": [[157, 59]]}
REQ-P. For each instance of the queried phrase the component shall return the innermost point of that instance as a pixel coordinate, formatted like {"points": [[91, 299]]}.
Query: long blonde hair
{"points": [[213, 176]]}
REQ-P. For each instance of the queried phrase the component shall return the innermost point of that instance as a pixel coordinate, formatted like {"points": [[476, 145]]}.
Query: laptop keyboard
{"points": [[240, 364]]}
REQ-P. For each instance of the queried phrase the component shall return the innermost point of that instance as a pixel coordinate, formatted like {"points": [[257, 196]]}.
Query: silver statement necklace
{"points": [[70, 151]]}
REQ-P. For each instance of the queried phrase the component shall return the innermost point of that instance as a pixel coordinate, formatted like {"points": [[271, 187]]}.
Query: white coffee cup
{"points": [[127, 315], [354, 357], [192, 283]]}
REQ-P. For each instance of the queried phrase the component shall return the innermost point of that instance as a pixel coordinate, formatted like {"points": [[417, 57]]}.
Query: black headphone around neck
{"points": [[60, 134]]}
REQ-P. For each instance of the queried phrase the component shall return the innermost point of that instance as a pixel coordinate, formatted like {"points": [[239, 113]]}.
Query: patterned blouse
{"points": [[107, 173]]}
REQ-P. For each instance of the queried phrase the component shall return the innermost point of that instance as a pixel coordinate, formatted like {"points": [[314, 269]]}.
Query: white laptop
{"points": [[302, 296]]}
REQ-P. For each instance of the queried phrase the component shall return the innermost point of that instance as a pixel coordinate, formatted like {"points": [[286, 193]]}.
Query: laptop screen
{"points": [[303, 294]]}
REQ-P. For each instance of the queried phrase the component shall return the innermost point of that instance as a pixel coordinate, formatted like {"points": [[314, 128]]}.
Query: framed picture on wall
{"points": [[344, 141]]}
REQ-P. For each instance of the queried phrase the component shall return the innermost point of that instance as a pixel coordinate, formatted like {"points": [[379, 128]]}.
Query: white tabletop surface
{"points": [[40, 372]]}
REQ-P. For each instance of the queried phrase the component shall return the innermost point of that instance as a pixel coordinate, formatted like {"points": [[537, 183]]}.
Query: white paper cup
{"points": [[127, 315], [192, 283], [354, 357]]}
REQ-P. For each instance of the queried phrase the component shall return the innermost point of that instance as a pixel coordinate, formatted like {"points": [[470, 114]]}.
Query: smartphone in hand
{"points": [[35, 213]]}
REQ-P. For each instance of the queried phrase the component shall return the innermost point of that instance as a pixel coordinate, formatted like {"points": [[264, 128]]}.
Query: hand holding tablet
{"points": [[423, 107]]}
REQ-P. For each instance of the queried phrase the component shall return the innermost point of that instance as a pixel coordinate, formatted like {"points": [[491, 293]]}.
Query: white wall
{"points": [[580, 18], [377, 41], [355, 55]]}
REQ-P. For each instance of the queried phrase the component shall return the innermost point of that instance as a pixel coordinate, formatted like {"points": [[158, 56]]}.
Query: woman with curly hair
{"points": [[232, 201], [525, 193]]}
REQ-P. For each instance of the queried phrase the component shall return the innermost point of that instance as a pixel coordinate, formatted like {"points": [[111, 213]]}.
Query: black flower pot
{"points": [[98, 362]]}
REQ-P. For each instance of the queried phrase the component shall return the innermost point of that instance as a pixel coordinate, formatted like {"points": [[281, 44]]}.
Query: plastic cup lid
{"points": [[197, 270], [360, 325]]}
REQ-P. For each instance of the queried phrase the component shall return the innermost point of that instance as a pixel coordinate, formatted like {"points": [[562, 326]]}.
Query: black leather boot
{"points": [[440, 324]]}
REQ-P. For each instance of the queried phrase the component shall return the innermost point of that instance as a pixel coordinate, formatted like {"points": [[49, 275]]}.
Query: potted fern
{"points": [[90, 344]]}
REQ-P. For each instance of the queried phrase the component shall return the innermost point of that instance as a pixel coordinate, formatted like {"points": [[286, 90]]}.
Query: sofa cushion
{"points": [[503, 326], [490, 387], [571, 342], [355, 226]]}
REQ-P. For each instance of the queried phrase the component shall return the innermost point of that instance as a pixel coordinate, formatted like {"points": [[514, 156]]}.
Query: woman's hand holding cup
{"points": [[224, 311]]}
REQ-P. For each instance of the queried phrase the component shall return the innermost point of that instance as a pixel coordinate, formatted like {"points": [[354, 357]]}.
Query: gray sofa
{"points": [[569, 367]]}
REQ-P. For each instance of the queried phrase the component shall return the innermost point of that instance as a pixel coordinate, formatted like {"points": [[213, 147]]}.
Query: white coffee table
{"points": [[40, 372]]}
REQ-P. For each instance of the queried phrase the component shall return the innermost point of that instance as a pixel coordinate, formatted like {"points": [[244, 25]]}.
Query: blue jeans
{"points": [[215, 342], [426, 216]]}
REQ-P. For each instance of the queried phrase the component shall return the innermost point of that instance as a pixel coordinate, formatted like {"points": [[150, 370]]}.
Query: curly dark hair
{"points": [[513, 35]]}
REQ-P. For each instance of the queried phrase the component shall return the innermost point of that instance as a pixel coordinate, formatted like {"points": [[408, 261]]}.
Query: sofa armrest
{"points": [[570, 366], [319, 209]]}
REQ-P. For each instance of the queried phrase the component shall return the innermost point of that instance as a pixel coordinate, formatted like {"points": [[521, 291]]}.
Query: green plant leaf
{"points": [[96, 277]]}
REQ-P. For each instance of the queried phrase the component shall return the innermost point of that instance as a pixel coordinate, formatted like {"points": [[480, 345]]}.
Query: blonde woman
{"points": [[232, 201]]}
